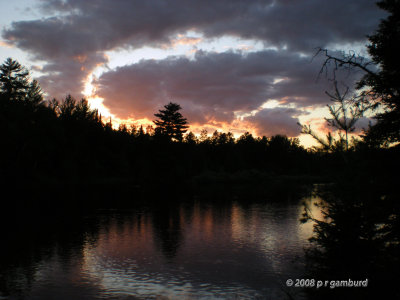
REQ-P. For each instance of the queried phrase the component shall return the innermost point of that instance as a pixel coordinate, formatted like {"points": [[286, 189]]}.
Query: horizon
{"points": [[238, 67]]}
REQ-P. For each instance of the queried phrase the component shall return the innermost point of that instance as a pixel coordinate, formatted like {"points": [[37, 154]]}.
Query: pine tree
{"points": [[13, 79], [34, 93], [385, 84], [380, 86], [171, 123], [15, 84]]}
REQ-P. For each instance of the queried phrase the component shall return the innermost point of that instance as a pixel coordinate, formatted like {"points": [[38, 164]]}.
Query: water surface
{"points": [[193, 250]]}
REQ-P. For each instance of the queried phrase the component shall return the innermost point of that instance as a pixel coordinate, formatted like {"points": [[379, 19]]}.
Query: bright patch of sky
{"points": [[182, 45], [16, 10], [356, 48]]}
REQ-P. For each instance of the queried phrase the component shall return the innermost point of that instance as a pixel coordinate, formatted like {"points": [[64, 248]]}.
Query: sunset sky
{"points": [[232, 65]]}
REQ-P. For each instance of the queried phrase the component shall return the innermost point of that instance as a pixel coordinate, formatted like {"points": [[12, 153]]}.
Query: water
{"points": [[196, 250]]}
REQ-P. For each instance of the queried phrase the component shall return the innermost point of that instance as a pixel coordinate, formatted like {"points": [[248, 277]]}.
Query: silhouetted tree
{"points": [[149, 130], [133, 130], [380, 86], [34, 93], [190, 138], [203, 138], [16, 85], [246, 139], [13, 79], [345, 112], [222, 138], [140, 132], [355, 238], [283, 144], [123, 129], [171, 123], [385, 84]]}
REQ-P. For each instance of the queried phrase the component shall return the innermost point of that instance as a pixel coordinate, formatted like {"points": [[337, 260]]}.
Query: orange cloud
{"points": [[4, 44], [182, 40], [80, 58]]}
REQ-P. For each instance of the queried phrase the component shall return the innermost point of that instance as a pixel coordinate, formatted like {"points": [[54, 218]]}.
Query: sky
{"points": [[232, 65]]}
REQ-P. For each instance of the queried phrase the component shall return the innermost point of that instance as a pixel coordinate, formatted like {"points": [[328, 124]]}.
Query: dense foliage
{"points": [[384, 85]]}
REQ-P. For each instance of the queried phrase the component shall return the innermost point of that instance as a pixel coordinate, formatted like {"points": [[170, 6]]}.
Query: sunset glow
{"points": [[257, 77], [95, 101]]}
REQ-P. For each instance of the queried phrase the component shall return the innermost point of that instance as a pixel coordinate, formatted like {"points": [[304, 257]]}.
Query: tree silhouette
{"points": [[385, 84], [380, 86], [345, 113], [171, 123], [356, 236], [15, 83], [190, 138]]}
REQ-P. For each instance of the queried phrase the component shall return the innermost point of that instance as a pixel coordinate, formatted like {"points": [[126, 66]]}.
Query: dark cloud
{"points": [[74, 36], [214, 84], [300, 24], [66, 76], [87, 26]]}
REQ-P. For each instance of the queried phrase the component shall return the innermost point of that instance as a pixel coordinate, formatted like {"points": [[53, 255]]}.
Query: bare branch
{"points": [[348, 61]]}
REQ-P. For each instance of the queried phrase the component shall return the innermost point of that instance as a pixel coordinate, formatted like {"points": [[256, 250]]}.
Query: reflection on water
{"points": [[187, 251]]}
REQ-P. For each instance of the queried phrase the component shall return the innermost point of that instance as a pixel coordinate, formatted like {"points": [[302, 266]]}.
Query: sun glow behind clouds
{"points": [[184, 45], [180, 47], [95, 101]]}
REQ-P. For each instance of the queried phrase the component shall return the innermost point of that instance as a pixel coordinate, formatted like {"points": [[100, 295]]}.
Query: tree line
{"points": [[67, 140], [51, 140]]}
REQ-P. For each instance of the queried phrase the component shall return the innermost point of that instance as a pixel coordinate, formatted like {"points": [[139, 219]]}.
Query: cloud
{"points": [[88, 26], [77, 28], [213, 84], [301, 24], [273, 121], [4, 44], [73, 36], [104, 24], [363, 123], [183, 40]]}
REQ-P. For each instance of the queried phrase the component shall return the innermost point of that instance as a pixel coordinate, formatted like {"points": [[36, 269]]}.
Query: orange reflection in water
{"points": [[156, 253]]}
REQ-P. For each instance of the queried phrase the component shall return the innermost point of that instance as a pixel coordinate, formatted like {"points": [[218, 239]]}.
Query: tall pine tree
{"points": [[171, 123], [384, 85], [15, 84]]}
